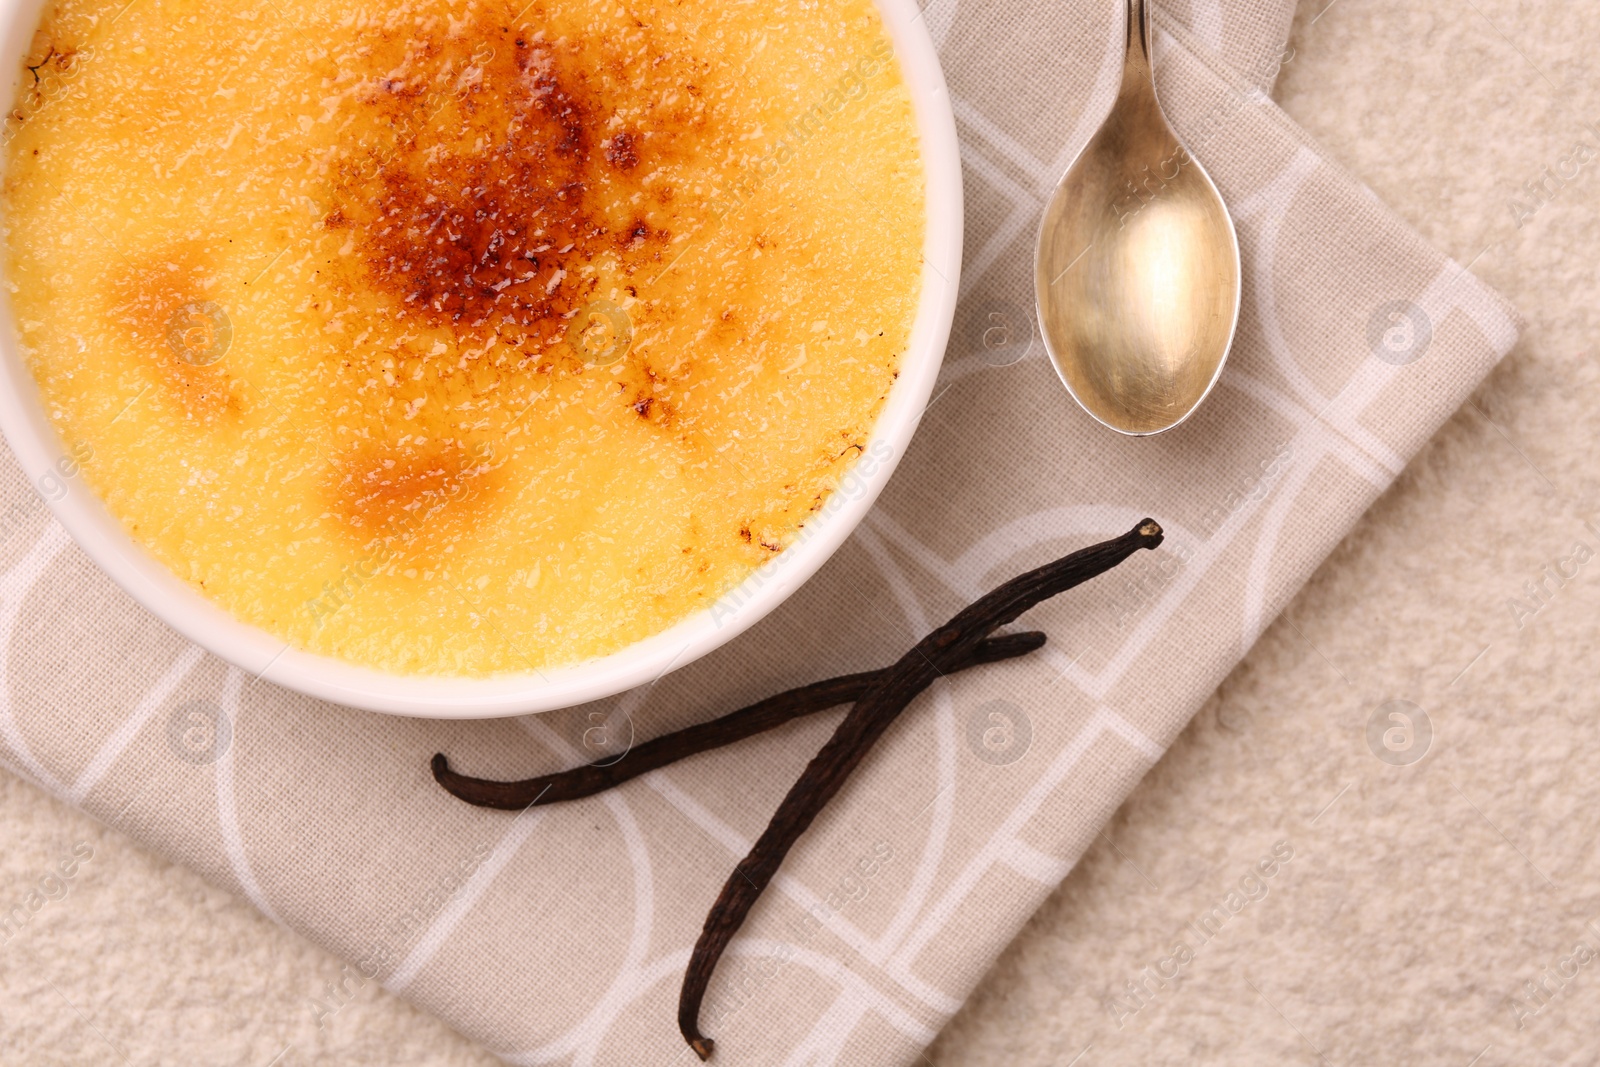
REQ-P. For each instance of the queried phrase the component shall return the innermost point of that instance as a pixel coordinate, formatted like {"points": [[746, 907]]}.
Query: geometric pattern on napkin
{"points": [[560, 935]]}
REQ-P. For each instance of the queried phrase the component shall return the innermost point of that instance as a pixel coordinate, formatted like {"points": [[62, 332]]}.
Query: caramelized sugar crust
{"points": [[464, 337], [484, 219]]}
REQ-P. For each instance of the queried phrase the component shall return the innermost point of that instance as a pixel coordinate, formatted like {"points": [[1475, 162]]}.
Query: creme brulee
{"points": [[463, 337]]}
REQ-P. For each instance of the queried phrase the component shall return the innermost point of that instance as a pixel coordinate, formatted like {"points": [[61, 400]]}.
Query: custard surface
{"points": [[463, 338]]}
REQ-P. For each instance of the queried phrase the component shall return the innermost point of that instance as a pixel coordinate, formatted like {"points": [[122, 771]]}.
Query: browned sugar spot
{"points": [[392, 492], [634, 236], [141, 300], [511, 175], [622, 152], [507, 184]]}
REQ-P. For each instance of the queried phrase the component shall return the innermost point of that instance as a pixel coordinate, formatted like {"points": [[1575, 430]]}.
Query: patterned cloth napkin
{"points": [[561, 934]]}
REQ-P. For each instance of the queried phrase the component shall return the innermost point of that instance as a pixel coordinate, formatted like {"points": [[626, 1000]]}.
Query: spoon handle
{"points": [[1137, 64]]}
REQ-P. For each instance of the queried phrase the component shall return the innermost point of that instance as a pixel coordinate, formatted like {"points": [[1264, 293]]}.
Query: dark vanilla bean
{"points": [[647, 756], [878, 698], [862, 726]]}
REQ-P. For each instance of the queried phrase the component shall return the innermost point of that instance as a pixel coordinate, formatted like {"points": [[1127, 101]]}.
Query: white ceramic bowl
{"points": [[43, 459]]}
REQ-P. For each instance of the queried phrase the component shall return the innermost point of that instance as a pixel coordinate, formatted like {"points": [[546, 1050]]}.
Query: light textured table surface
{"points": [[1420, 900]]}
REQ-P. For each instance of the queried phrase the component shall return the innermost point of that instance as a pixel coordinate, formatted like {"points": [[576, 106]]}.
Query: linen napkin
{"points": [[560, 935]]}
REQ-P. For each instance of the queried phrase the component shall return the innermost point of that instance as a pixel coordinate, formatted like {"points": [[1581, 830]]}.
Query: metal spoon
{"points": [[1137, 267]]}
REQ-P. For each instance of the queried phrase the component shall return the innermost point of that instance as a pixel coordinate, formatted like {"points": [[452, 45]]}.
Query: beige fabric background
{"points": [[1417, 905]]}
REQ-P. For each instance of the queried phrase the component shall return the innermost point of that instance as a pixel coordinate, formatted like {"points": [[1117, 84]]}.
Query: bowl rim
{"points": [[51, 469]]}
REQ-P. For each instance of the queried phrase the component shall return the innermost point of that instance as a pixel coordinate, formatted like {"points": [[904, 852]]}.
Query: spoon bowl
{"points": [[1136, 271]]}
